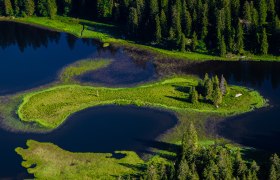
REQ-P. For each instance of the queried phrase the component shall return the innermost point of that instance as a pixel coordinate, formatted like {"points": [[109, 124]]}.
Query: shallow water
{"points": [[98, 129], [30, 57]]}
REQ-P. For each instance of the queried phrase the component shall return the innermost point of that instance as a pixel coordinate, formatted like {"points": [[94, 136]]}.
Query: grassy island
{"points": [[51, 107], [53, 162]]}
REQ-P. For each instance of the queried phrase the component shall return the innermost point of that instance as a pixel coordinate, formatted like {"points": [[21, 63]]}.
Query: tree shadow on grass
{"points": [[178, 98], [102, 28], [183, 89]]}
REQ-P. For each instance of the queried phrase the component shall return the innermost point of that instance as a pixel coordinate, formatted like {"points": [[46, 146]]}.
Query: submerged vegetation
{"points": [[51, 107], [72, 71]]}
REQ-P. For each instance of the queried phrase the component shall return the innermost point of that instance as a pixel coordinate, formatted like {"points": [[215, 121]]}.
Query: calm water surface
{"points": [[261, 128], [30, 57], [99, 129]]}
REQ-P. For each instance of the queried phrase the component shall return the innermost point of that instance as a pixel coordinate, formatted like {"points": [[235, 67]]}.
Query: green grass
{"points": [[110, 34], [70, 72], [53, 162], [51, 107]]}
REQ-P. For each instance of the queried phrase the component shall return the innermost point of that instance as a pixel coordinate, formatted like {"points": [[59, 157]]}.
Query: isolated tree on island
{"points": [[189, 141], [194, 96], [217, 96], [209, 89], [223, 86]]}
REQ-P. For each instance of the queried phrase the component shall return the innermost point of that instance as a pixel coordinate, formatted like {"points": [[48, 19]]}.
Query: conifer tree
{"points": [[264, 43], [183, 43], [176, 21], [183, 170], [222, 46], [247, 15], [194, 42], [240, 39], [272, 173], [274, 167], [42, 8], [52, 8], [271, 10], [163, 23], [194, 96], [8, 8], [132, 21], [262, 12], [29, 7], [152, 173], [254, 15], [209, 89], [217, 97], [17, 7], [223, 86], [204, 30], [158, 30]]}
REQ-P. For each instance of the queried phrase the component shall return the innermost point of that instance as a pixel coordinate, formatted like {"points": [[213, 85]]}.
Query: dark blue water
{"points": [[259, 129], [30, 57], [92, 130]]}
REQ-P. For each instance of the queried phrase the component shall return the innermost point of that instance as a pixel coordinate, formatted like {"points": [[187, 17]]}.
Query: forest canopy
{"points": [[219, 27]]}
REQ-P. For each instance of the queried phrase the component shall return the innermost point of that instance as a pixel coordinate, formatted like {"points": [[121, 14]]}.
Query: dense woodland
{"points": [[214, 162], [221, 27]]}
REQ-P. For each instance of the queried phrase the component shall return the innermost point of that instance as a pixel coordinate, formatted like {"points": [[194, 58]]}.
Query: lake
{"points": [[31, 57], [98, 129]]}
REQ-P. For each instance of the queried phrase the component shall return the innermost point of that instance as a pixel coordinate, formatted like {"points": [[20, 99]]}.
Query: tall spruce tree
{"points": [[263, 42], [29, 7], [158, 35], [240, 39], [8, 8], [183, 43], [194, 42], [262, 12]]}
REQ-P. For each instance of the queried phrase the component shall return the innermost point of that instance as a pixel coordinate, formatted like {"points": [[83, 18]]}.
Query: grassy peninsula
{"points": [[51, 107]]}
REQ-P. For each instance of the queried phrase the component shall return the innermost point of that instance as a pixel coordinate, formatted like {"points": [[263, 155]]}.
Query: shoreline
{"points": [[105, 38]]}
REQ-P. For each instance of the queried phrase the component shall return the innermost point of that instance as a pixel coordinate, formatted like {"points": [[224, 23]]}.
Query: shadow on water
{"points": [[94, 130], [258, 129], [30, 57]]}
